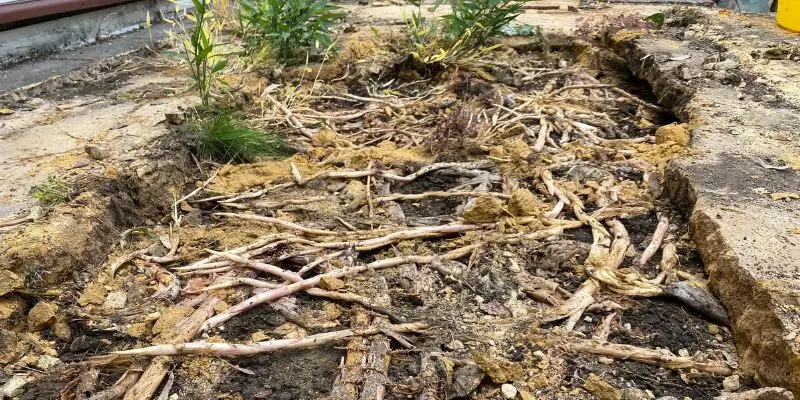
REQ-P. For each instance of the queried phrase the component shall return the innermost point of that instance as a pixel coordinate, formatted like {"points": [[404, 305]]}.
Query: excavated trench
{"points": [[482, 311]]}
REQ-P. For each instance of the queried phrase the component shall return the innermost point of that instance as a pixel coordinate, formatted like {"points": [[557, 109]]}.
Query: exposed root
{"points": [[660, 358], [227, 349]]}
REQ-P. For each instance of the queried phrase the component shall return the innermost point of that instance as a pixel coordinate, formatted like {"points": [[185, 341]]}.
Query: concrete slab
{"points": [[743, 118]]}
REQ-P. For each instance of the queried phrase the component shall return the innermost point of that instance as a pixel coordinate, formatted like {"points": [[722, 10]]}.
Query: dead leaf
{"points": [[6, 111]]}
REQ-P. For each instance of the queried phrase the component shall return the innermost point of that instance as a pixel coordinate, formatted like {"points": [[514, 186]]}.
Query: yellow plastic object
{"points": [[789, 14]]}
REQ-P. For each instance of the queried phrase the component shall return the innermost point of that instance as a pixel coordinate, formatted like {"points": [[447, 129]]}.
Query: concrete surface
{"points": [[48, 135], [33, 41], [748, 240], [56, 64]]}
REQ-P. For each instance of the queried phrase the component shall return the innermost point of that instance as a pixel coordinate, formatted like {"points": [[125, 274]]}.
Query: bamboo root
{"points": [[660, 358], [269, 346], [658, 237], [311, 282], [417, 196], [276, 221]]}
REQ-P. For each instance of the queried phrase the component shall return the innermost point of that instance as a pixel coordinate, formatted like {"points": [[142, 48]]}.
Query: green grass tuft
{"points": [[52, 192], [225, 139]]}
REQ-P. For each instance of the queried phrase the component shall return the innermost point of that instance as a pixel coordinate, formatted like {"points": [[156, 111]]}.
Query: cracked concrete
{"points": [[748, 240]]}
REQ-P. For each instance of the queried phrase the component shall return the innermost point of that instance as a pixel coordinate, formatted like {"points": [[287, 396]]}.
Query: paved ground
{"points": [[53, 65]]}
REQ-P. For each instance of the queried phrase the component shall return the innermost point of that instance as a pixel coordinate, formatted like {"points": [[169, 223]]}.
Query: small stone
{"points": [[13, 387], [600, 388], [258, 336], [525, 395], [483, 209], [115, 300], [93, 294], [41, 315], [45, 362], [96, 152], [676, 133], [499, 369], [466, 379], [713, 329], [731, 383], [12, 310], [336, 186], [9, 282], [357, 191], [332, 284], [524, 203], [455, 345], [726, 65], [513, 266], [683, 353], [61, 328], [634, 394], [508, 390], [605, 360]]}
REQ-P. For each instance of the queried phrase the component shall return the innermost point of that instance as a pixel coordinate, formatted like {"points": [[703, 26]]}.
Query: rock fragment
{"points": [[41, 315], [600, 388], [9, 282], [332, 284], [483, 209], [499, 369], [96, 152], [676, 133], [466, 379], [508, 390]]}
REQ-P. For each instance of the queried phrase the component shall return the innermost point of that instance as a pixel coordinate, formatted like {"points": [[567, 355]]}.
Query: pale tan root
{"points": [[228, 349], [661, 358], [311, 282], [655, 243], [417, 196], [276, 221]]}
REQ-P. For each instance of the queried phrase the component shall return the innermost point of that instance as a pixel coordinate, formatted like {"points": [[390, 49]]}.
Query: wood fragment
{"points": [[122, 385], [376, 370]]}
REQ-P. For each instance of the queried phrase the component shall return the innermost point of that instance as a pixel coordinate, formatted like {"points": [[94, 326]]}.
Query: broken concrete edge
{"points": [[55, 82], [78, 235], [75, 31], [762, 309]]}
